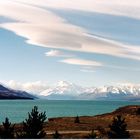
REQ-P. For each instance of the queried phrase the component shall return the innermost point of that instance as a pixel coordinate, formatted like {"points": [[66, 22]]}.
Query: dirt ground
{"points": [[69, 129]]}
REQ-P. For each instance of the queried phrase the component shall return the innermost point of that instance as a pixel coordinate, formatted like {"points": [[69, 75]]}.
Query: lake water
{"points": [[17, 110]]}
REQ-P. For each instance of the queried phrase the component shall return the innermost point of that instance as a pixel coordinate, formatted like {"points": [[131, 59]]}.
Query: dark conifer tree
{"points": [[7, 130], [138, 111], [118, 129], [77, 120], [33, 125]]}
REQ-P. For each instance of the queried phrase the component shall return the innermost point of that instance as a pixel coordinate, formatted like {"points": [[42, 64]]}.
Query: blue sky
{"points": [[83, 43]]}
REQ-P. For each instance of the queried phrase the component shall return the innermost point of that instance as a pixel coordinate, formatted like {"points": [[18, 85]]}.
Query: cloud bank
{"points": [[130, 8], [32, 87], [33, 20]]}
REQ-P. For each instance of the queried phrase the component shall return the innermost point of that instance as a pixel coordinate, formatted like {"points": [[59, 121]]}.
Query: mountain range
{"points": [[66, 90], [7, 93]]}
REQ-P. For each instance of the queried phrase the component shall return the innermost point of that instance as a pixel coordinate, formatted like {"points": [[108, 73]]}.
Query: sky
{"points": [[89, 43]]}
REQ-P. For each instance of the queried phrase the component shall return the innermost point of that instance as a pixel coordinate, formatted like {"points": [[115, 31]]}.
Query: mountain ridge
{"points": [[71, 91], [8, 93]]}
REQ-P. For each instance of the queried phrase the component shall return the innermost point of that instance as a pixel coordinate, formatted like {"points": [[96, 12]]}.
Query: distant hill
{"points": [[7, 93]]}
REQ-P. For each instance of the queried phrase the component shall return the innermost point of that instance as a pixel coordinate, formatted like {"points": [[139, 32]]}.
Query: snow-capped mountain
{"points": [[66, 90], [7, 93], [112, 93], [63, 90]]}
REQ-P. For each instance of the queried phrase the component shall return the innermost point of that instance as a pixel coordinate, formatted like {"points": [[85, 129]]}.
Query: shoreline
{"points": [[69, 129]]}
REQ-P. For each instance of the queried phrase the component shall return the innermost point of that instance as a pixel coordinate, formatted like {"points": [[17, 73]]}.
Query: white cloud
{"points": [[130, 8], [43, 28], [57, 53], [84, 62], [12, 84], [33, 87]]}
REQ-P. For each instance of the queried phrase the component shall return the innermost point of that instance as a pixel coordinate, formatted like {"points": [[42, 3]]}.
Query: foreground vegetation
{"points": [[115, 125]]}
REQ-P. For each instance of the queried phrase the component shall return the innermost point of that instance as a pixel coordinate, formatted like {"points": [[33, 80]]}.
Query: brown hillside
{"points": [[69, 129], [87, 123]]}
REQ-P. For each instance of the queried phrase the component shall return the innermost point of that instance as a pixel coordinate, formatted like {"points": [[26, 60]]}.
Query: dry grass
{"points": [[88, 123]]}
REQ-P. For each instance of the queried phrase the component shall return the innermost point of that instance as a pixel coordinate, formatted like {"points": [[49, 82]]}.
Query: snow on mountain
{"points": [[66, 90], [112, 93], [62, 90]]}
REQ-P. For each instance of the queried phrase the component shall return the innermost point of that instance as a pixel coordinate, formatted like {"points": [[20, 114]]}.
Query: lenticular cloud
{"points": [[41, 27]]}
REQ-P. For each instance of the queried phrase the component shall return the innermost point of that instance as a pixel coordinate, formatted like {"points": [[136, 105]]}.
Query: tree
{"points": [[56, 135], [118, 129], [77, 120], [33, 125], [138, 111], [7, 130]]}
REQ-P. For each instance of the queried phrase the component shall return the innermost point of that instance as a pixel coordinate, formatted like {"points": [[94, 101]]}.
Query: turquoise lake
{"points": [[17, 110]]}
